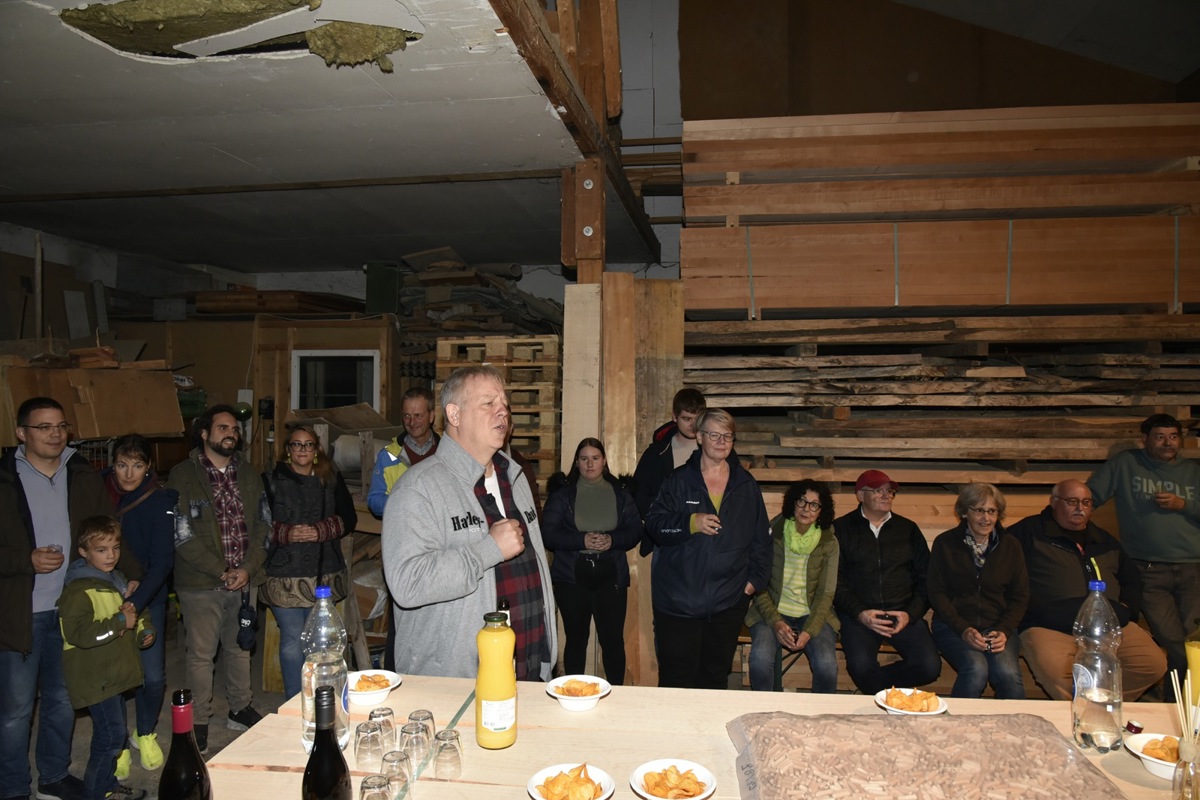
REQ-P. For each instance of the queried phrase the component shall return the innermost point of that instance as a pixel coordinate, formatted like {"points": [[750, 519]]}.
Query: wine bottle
{"points": [[184, 776], [326, 776]]}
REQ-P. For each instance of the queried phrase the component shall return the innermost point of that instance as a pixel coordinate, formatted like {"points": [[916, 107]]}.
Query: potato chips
{"points": [[671, 783], [577, 688], [371, 683], [917, 701], [572, 785], [1164, 749]]}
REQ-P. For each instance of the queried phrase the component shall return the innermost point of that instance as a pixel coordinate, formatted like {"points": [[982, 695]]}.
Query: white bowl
{"points": [[882, 693], [1155, 766], [578, 703], [683, 765], [607, 784], [375, 696]]}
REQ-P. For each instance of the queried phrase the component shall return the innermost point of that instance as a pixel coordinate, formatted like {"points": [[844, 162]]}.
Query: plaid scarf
{"points": [[518, 579], [228, 509]]}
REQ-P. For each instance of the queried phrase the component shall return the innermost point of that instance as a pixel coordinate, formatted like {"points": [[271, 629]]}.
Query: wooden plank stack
{"points": [[532, 370]]}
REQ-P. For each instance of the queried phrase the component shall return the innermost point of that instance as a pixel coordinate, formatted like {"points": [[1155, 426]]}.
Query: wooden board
{"points": [[581, 367]]}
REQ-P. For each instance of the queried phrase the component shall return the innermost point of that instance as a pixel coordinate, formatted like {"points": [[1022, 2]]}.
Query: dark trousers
{"points": [[697, 653], [920, 663], [594, 596]]}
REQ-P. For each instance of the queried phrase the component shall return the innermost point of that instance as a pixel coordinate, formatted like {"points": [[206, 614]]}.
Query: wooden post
{"points": [[568, 34], [591, 73], [589, 231], [582, 333], [611, 43], [567, 248]]}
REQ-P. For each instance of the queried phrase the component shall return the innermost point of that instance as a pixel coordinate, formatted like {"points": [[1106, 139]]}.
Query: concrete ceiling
{"points": [[268, 163]]}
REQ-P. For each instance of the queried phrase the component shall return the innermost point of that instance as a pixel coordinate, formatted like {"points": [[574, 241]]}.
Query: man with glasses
{"points": [[221, 526], [1158, 507], [1064, 550], [881, 594], [46, 489]]}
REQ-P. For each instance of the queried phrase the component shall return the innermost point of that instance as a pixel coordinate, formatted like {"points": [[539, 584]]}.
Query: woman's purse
{"points": [[300, 592]]}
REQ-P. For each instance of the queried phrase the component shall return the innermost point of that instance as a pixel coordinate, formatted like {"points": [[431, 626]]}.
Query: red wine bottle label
{"points": [[181, 718]]}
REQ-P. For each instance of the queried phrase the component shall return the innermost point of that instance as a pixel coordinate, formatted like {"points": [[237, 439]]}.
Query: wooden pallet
{"points": [[506, 350]]}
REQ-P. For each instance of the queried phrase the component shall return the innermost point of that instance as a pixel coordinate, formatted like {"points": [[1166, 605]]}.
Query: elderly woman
{"points": [[712, 553], [796, 609], [311, 509], [589, 523], [979, 590]]}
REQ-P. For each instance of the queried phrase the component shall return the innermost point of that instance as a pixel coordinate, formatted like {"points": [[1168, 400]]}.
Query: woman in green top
{"points": [[796, 610]]}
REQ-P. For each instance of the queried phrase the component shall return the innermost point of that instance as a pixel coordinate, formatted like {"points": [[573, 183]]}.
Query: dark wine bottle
{"points": [[326, 776], [184, 776]]}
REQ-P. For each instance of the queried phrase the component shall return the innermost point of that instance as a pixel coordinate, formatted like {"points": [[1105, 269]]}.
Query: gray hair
{"points": [[454, 385], [973, 494], [718, 415]]}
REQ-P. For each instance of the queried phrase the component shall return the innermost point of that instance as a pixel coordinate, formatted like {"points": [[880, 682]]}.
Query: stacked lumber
{"points": [[532, 371], [1026, 206], [247, 301]]}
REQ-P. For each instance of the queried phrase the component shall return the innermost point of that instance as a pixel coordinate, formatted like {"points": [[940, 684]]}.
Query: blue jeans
{"points": [[108, 739], [24, 676], [148, 698], [291, 657], [975, 669], [920, 663], [765, 655]]}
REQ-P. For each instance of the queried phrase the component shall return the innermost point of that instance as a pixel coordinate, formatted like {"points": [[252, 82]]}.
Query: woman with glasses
{"points": [[979, 592], [796, 609], [589, 523], [712, 553], [312, 510]]}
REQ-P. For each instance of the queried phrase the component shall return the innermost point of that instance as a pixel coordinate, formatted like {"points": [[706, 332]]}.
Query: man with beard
{"points": [[221, 524], [1158, 506]]}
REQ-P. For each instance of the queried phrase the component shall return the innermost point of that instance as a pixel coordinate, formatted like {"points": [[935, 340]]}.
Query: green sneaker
{"points": [[123, 763], [152, 754]]}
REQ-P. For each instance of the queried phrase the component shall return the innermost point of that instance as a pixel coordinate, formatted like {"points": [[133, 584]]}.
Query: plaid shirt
{"points": [[518, 580], [228, 509]]}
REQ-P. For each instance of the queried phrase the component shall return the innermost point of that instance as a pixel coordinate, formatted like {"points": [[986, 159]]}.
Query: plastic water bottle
{"points": [[1096, 707], [323, 641]]}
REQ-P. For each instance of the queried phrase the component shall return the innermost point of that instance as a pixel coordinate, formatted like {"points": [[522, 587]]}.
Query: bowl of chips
{"points": [[578, 692], [671, 778], [910, 701], [1158, 752], [370, 687], [571, 782]]}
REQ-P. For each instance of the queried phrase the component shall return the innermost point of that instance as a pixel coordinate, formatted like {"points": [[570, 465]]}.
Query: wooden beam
{"points": [[568, 34], [567, 247], [611, 43], [620, 363], [591, 72], [589, 220], [582, 336]]}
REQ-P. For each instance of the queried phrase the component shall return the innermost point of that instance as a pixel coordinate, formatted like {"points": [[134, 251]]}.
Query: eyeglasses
{"points": [[719, 437], [882, 491], [302, 445], [1074, 502], [46, 427], [814, 505], [985, 512]]}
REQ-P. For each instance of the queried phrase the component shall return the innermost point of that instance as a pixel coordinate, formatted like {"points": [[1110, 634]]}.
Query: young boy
{"points": [[101, 635]]}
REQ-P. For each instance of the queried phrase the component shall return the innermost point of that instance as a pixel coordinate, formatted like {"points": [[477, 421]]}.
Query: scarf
{"points": [[800, 543]]}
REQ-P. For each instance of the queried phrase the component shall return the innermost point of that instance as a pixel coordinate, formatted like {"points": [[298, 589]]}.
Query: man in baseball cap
{"points": [[881, 595]]}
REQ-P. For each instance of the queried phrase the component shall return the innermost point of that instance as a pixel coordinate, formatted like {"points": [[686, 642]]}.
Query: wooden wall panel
{"points": [[953, 263], [713, 268], [618, 412], [823, 266]]}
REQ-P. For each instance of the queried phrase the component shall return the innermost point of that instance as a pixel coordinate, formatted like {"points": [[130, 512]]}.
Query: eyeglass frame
{"points": [[46, 427], [297, 445], [988, 512], [1075, 502], [804, 505], [720, 437], [881, 491]]}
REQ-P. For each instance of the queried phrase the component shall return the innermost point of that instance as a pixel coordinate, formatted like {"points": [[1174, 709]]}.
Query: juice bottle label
{"points": [[498, 715]]}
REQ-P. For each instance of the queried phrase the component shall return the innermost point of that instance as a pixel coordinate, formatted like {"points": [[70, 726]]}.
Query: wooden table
{"points": [[629, 727]]}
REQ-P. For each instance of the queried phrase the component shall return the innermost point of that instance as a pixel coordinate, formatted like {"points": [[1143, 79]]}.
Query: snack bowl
{"points": [[578, 703], [882, 693], [607, 784], [1155, 766], [375, 696], [637, 783]]}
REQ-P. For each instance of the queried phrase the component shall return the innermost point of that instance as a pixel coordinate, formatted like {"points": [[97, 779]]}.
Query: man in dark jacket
{"points": [[46, 489], [1064, 550], [881, 593], [674, 442]]}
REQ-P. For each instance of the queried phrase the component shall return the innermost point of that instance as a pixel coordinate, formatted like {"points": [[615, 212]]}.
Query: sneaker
{"points": [[201, 734], [244, 719], [123, 792], [69, 788], [151, 753], [124, 761]]}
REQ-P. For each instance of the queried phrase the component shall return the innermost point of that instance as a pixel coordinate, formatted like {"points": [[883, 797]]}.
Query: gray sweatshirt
{"points": [[1150, 533], [440, 562]]}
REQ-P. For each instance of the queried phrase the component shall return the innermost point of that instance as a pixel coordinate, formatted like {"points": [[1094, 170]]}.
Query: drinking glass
{"points": [[368, 747], [447, 755], [387, 725], [374, 787], [399, 769], [425, 718], [415, 742]]}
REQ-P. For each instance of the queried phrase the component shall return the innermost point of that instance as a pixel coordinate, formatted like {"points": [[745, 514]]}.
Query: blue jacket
{"points": [[148, 528], [695, 575], [560, 535]]}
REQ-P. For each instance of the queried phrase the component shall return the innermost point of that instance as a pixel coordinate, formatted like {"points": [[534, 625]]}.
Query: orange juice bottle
{"points": [[1191, 647], [496, 684]]}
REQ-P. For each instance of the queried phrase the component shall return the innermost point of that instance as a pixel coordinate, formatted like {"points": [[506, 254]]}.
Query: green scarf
{"points": [[800, 543]]}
